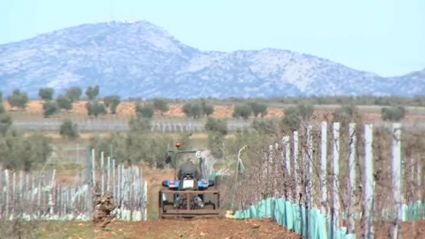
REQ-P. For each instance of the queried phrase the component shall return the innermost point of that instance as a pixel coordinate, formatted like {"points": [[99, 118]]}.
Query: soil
{"points": [[169, 229]]}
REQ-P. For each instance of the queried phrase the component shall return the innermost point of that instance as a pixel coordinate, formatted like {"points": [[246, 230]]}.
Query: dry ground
{"points": [[170, 229], [126, 110]]}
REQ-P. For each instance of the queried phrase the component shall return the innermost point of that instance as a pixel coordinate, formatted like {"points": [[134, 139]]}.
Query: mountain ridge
{"points": [[140, 59]]}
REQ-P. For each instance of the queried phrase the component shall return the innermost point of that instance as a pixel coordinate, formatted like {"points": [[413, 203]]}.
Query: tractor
{"points": [[187, 197]]}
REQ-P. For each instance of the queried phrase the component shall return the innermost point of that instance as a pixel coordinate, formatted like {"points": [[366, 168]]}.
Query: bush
{"points": [[242, 111], [192, 110], [69, 130], [216, 125], [393, 114], [18, 99], [50, 108], [145, 111], [23, 153]]}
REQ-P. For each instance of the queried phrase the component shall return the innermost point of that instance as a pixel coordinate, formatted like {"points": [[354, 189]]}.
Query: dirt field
{"points": [[127, 109], [206, 229]]}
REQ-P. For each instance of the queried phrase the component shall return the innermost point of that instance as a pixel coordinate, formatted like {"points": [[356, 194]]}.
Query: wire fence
{"points": [[38, 195], [339, 181], [89, 126]]}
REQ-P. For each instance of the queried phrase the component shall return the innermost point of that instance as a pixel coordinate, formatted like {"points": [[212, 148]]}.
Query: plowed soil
{"points": [[205, 228], [202, 228]]}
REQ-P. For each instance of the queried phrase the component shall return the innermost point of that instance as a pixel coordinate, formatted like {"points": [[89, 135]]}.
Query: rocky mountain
{"points": [[140, 59]]}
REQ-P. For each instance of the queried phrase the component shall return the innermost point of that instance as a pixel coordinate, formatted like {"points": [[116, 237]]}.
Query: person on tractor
{"points": [[188, 168]]}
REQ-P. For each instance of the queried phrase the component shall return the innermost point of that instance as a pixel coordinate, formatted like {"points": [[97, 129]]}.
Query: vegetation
{"points": [[138, 144], [18, 151], [68, 129], [145, 111], [393, 113], [18, 99], [160, 105], [46, 94]]}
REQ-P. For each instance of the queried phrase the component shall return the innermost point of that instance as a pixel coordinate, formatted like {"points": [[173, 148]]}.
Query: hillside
{"points": [[143, 60]]}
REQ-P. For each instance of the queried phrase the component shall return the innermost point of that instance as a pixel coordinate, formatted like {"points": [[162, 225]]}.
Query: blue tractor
{"points": [[190, 195]]}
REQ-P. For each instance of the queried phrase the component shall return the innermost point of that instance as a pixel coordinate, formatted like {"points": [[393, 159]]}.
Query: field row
{"points": [[157, 126], [93, 126], [126, 110]]}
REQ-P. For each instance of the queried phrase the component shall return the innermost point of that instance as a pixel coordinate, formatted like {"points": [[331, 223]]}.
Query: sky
{"points": [[386, 37]]}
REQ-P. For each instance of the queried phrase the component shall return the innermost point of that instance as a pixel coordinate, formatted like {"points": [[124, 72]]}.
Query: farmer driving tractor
{"points": [[190, 169]]}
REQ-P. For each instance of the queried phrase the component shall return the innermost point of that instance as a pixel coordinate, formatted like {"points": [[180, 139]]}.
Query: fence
{"points": [[88, 126], [37, 195], [357, 187]]}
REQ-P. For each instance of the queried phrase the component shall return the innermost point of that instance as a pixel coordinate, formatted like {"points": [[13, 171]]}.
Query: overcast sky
{"points": [[386, 37]]}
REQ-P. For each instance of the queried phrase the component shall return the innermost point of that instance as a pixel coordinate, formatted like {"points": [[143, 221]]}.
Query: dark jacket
{"points": [[188, 168]]}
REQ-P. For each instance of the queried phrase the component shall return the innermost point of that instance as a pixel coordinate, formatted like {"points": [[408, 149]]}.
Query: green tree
{"points": [[18, 152], [141, 125], [18, 99], [207, 109], [95, 108], [347, 114], [74, 94], [112, 102], [216, 144], [242, 111], [64, 103], [216, 126], [393, 114], [50, 108], [145, 111], [265, 126], [258, 109], [92, 92], [160, 105], [69, 129], [5, 123], [295, 115], [46, 94], [192, 110]]}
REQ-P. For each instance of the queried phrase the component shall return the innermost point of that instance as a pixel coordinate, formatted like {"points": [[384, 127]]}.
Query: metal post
{"points": [[369, 180], [396, 176]]}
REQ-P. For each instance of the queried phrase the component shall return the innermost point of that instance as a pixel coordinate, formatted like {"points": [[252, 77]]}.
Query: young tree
{"points": [[18, 99], [393, 114], [74, 94], [95, 108], [160, 105], [5, 122], [258, 109], [46, 94], [207, 109], [242, 111], [69, 129], [144, 111], [216, 126], [295, 115], [50, 108], [192, 110], [112, 102], [64, 103], [92, 92]]}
